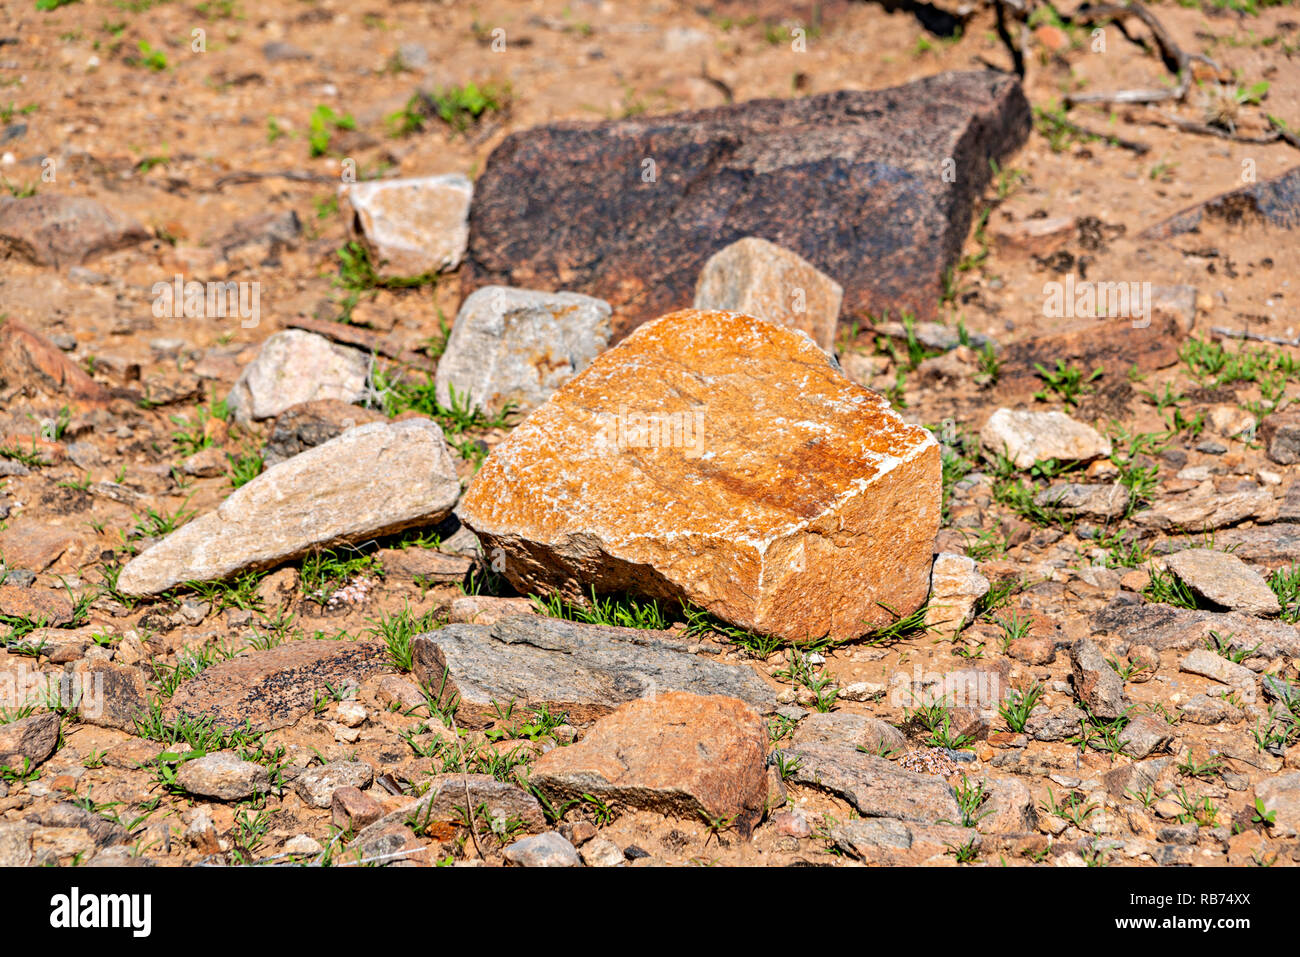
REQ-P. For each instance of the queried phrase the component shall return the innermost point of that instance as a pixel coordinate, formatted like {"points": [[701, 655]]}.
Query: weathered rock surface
{"points": [[1275, 202], [223, 776], [447, 797], [383, 478], [885, 841], [1205, 511], [296, 366], [486, 609], [34, 546], [31, 365], [113, 695], [1113, 345], [1206, 663], [1224, 579], [1095, 682], [517, 346], [33, 738], [854, 730], [1272, 545], [351, 809], [1144, 735], [316, 786], [273, 688], [630, 210], [889, 842], [718, 459], [1029, 437], [423, 564], [761, 279], [543, 850], [1100, 502], [54, 229], [410, 227], [955, 587], [874, 785], [1167, 627], [1281, 796], [39, 605], [1010, 807], [586, 670], [1280, 433], [309, 424], [681, 754]]}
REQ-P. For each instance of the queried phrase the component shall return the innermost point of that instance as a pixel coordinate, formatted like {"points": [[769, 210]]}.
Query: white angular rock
{"points": [[520, 345], [955, 587], [296, 366], [411, 227], [1029, 437], [762, 279], [373, 480]]}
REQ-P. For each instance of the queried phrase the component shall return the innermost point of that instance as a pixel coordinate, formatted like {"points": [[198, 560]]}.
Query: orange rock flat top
{"points": [[701, 424]]}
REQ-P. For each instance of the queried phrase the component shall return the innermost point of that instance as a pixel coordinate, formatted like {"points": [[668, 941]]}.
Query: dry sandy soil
{"points": [[191, 143]]}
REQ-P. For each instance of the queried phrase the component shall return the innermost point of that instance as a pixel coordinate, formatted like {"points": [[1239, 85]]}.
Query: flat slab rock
{"points": [[1113, 345], [1206, 512], [1224, 579], [382, 478], [33, 738], [1273, 545], [445, 801], [274, 688], [718, 459], [1275, 202], [1029, 437], [875, 786], [29, 362], [1168, 627], [586, 670], [681, 754], [54, 229], [886, 841], [629, 210]]}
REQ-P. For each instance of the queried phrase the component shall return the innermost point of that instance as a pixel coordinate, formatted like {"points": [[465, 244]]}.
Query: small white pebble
{"points": [[352, 714]]}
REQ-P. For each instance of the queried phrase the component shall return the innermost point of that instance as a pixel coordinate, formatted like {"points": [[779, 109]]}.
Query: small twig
{"points": [[1172, 54], [1004, 33], [1129, 96], [250, 176], [395, 855], [1191, 126], [1175, 59], [1283, 132], [1132, 145], [1253, 336]]}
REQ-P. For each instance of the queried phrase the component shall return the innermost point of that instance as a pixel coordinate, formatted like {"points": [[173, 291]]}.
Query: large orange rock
{"points": [[722, 460]]}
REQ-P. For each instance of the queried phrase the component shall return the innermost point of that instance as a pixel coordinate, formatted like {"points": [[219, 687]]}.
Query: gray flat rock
{"points": [[586, 670]]}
